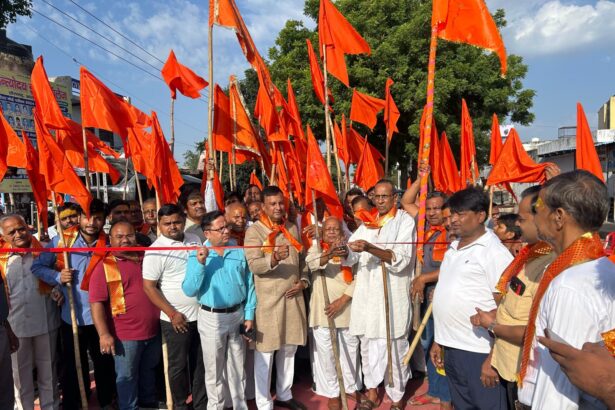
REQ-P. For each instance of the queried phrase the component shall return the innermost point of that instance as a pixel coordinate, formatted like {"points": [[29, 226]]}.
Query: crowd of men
{"points": [[523, 304]]}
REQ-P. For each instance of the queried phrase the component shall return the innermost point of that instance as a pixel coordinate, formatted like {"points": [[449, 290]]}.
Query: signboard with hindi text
{"points": [[18, 184], [17, 102]]}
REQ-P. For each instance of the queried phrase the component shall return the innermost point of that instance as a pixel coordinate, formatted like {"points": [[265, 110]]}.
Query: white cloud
{"points": [[539, 27]]}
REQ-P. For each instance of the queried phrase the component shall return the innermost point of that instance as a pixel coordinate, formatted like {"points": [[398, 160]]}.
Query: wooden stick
{"points": [[417, 336], [73, 314], [386, 157], [327, 130], [86, 167], [139, 193], [337, 158], [210, 102], [331, 323], [387, 312], [125, 177], [491, 189], [233, 160], [416, 301], [172, 142]]}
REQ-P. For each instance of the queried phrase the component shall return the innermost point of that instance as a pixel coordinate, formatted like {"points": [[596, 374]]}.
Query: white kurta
{"points": [[367, 316]]}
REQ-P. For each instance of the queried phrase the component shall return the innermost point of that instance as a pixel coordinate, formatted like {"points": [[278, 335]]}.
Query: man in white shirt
{"points": [[579, 288], [383, 243], [469, 274], [163, 274]]}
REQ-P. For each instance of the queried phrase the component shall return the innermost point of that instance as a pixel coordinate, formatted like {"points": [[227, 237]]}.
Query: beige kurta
{"points": [[278, 321], [336, 287]]}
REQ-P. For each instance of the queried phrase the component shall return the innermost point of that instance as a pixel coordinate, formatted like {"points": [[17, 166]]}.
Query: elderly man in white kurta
{"points": [[385, 238], [34, 318]]}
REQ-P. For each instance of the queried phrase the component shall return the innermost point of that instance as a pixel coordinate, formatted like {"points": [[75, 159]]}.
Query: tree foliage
{"points": [[398, 33], [10, 9]]}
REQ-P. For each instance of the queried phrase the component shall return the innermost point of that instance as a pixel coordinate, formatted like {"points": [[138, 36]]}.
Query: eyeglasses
{"points": [[220, 230], [16, 230]]}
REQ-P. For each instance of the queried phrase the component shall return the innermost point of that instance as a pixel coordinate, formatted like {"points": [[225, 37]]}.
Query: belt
{"points": [[221, 310]]}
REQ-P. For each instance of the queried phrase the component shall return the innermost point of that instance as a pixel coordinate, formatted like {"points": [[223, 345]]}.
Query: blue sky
{"points": [[567, 45]]}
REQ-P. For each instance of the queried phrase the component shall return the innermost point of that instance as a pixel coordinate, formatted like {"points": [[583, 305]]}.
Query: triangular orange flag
{"points": [[365, 108], [246, 137], [216, 184], [265, 111], [222, 130], [496, 141], [391, 112], [318, 81], [319, 180], [180, 77], [294, 111], [468, 21], [37, 180], [44, 98], [515, 165], [435, 161], [138, 146], [340, 38], [468, 166], [448, 167], [168, 179], [255, 181], [368, 171], [586, 155], [102, 108], [355, 148], [92, 139], [341, 139], [59, 174], [12, 150]]}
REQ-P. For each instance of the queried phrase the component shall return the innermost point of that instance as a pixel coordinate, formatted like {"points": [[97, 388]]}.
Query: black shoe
{"points": [[290, 404]]}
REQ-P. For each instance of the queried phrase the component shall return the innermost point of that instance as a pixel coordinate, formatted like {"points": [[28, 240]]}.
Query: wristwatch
{"points": [[490, 329]]}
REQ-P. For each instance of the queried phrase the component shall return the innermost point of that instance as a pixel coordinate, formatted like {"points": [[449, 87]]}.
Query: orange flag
{"points": [[168, 180], [179, 77], [355, 148], [102, 108], [319, 179], [318, 81], [368, 171], [448, 167], [391, 112], [216, 184], [515, 165], [37, 180], [138, 149], [44, 98], [341, 139], [435, 161], [338, 35], [364, 108], [246, 137], [468, 165], [496, 141], [586, 155], [59, 174], [98, 144], [265, 111], [12, 150], [468, 21], [222, 131], [255, 181]]}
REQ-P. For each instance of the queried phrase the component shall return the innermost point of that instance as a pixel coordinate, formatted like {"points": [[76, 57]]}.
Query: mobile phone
{"points": [[517, 286], [250, 334], [555, 337]]}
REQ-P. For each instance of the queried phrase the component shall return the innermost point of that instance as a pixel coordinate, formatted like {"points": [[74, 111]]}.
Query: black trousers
{"points": [[186, 368], [104, 369]]}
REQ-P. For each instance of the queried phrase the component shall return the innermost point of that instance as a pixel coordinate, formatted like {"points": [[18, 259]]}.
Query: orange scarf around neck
{"points": [[98, 255], [527, 253], [114, 283], [346, 270], [275, 230], [43, 287], [586, 248], [373, 220], [439, 248], [69, 236]]}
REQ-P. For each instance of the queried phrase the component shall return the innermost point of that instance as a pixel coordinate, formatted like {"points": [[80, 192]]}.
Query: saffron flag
{"points": [[515, 165], [99, 145], [586, 155], [44, 98], [340, 38], [138, 149], [59, 174], [12, 150], [318, 81], [391, 112], [468, 21], [355, 149], [37, 181], [318, 179], [255, 181], [180, 77], [468, 166], [448, 166], [364, 108], [245, 136], [168, 179], [496, 141], [265, 111], [102, 108], [368, 171], [222, 130], [341, 142]]}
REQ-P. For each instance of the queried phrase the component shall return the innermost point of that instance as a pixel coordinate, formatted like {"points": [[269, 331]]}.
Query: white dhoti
{"points": [[38, 351], [223, 350], [285, 373], [325, 373], [374, 362]]}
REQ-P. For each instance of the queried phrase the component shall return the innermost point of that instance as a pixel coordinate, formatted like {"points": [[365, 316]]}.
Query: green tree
{"points": [[10, 9], [398, 32], [191, 158]]}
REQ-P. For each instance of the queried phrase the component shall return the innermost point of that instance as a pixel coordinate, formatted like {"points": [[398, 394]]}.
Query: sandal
{"points": [[366, 404], [423, 400]]}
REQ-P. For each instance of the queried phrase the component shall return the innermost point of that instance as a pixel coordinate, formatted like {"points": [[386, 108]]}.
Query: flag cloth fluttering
{"points": [[515, 165], [246, 138], [180, 78], [44, 98], [368, 170], [255, 181], [468, 21], [168, 180], [468, 166], [586, 155], [391, 112], [365, 108], [12, 150], [340, 38], [449, 170], [496, 141], [222, 130], [318, 81], [37, 181]]}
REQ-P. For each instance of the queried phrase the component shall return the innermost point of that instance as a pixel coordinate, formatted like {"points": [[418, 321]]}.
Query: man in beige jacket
{"points": [[279, 278], [324, 260]]}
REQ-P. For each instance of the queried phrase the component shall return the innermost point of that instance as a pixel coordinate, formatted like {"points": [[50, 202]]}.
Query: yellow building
{"points": [[606, 115]]}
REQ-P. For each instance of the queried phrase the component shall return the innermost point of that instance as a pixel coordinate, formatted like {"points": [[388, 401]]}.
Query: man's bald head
{"points": [[236, 216], [332, 230]]}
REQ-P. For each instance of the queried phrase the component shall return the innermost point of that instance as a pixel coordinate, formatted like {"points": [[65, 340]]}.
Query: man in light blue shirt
{"points": [[224, 287]]}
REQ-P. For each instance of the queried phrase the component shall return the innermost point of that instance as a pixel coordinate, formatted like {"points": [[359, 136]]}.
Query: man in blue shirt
{"points": [[224, 286], [48, 267]]}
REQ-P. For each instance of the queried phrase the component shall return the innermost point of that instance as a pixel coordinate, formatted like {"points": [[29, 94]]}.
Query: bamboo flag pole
{"points": [[330, 322], [387, 312], [337, 158], [86, 164], [417, 336], [125, 177], [491, 189], [327, 127], [73, 314], [210, 102], [386, 157], [172, 144], [234, 159], [423, 157]]}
